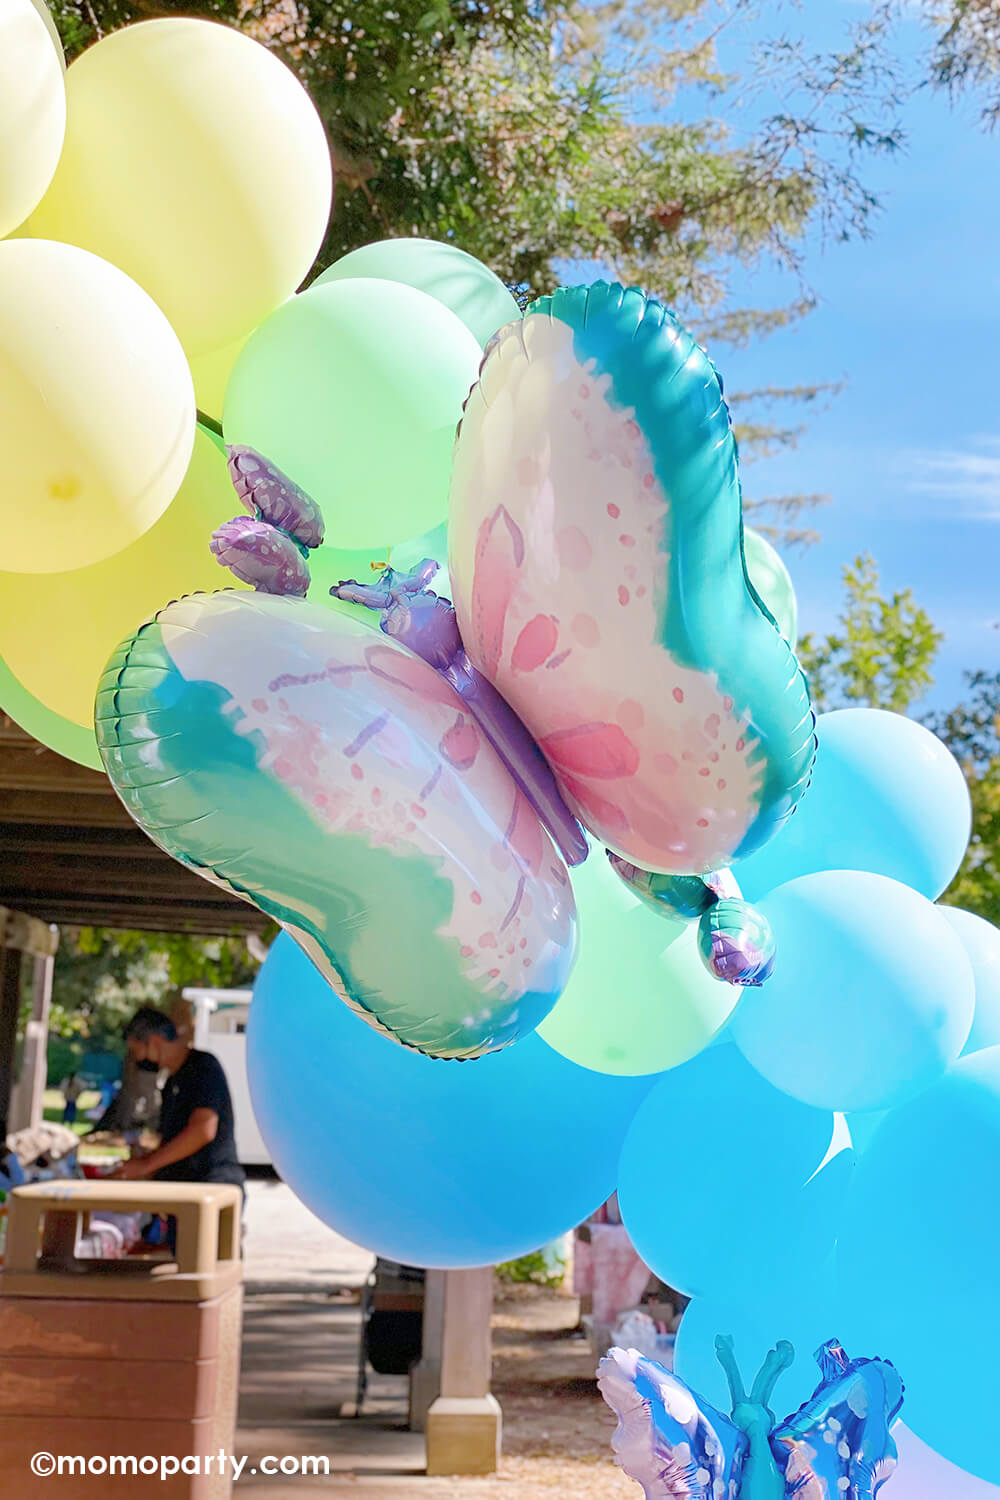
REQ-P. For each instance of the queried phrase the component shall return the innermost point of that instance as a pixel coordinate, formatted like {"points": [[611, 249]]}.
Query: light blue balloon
{"points": [[422, 1161], [886, 796], [800, 1305], [862, 1126], [918, 1258], [716, 1184], [871, 997], [981, 941]]}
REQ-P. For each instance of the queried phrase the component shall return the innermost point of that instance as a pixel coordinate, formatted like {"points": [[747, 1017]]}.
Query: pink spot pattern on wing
{"points": [[544, 456], [575, 549], [603, 751], [460, 743], [586, 630], [535, 644]]}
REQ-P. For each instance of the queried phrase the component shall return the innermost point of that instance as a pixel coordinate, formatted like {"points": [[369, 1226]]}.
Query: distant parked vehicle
{"points": [[220, 1023]]}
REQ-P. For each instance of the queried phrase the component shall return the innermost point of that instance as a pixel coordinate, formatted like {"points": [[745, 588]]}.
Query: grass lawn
{"points": [[53, 1104], [52, 1110]]}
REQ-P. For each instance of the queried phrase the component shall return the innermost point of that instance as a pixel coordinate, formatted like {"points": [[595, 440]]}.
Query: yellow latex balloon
{"points": [[97, 408], [32, 110], [52, 29], [196, 162], [211, 373], [57, 632]]}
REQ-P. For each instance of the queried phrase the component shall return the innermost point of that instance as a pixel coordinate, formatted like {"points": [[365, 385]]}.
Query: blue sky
{"points": [[910, 451]]}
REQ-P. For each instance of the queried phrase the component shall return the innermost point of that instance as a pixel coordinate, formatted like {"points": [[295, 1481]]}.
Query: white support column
{"points": [[425, 1377], [27, 1104], [464, 1424]]}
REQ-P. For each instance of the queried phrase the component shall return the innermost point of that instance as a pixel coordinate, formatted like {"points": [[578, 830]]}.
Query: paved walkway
{"points": [[299, 1373], [301, 1337], [300, 1368]]}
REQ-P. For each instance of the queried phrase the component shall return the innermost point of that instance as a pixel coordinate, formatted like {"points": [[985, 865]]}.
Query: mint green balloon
{"points": [[773, 583], [355, 389], [444, 272], [639, 999]]}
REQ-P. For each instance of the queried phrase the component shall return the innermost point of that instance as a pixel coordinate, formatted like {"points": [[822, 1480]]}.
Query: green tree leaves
{"points": [[882, 655]]}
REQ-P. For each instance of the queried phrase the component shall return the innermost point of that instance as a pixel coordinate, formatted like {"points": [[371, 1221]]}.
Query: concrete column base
{"points": [[425, 1388], [464, 1435]]}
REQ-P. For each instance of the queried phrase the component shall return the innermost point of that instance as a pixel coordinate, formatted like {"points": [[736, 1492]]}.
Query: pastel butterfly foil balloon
{"points": [[595, 552], [405, 799], [323, 772], [679, 1447]]}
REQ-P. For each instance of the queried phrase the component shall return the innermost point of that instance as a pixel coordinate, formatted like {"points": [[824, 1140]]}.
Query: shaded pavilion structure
{"points": [[71, 856]]}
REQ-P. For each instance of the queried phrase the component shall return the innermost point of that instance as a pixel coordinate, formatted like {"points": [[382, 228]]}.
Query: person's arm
{"points": [[199, 1131]]}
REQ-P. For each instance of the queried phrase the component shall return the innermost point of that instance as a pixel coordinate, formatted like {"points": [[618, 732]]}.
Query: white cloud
{"points": [[966, 480]]}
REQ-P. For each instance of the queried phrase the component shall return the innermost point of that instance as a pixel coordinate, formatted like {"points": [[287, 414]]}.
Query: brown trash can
{"points": [[108, 1366]]}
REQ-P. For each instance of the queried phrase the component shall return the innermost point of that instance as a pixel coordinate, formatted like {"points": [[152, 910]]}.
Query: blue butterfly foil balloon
{"points": [[677, 1446]]}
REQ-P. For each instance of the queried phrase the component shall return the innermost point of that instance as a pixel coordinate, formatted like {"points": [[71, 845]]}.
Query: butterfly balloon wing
{"points": [[595, 552], [325, 773], [838, 1444], [670, 1441]]}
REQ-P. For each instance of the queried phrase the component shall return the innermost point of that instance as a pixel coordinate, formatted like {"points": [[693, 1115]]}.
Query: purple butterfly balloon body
{"points": [[428, 626], [837, 1446]]}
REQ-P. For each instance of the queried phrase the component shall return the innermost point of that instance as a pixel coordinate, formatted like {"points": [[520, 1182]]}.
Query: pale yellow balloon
{"points": [[97, 409], [57, 632], [196, 162], [211, 376], [32, 110], [52, 29]]}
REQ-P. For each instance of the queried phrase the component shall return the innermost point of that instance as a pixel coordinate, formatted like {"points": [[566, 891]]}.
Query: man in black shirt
{"points": [[197, 1143]]}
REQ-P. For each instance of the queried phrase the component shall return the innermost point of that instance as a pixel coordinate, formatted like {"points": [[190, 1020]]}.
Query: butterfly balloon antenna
{"points": [[726, 1355], [778, 1360], [762, 1480]]}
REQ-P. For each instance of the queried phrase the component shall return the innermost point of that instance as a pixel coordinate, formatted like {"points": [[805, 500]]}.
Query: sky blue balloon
{"points": [[862, 1125], [423, 1161], [981, 941], [918, 1259], [886, 796], [871, 997], [799, 1305], [716, 1184]]}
